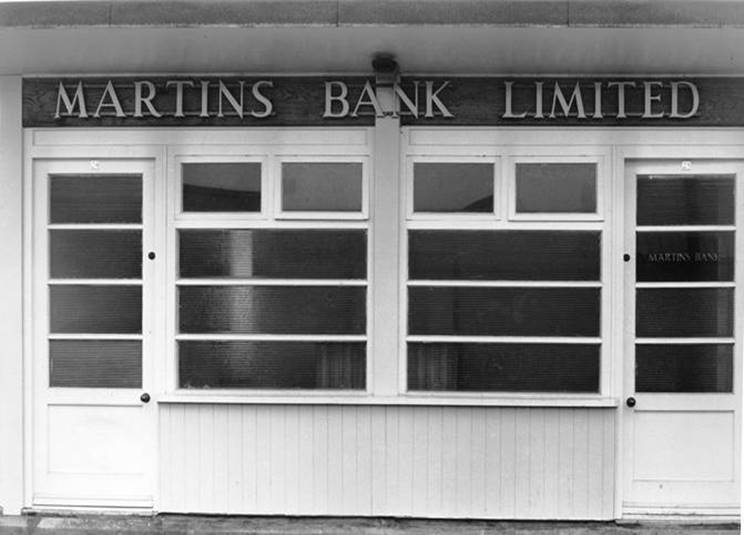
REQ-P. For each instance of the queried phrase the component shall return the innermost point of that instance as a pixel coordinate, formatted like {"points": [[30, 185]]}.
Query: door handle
{"points": [[630, 402], [144, 398]]}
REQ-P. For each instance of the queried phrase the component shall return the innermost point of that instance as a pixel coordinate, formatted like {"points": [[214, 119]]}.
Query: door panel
{"points": [[682, 336], [93, 436]]}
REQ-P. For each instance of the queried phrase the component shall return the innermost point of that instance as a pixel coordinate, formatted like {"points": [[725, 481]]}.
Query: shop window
{"points": [[497, 305], [265, 303], [463, 187], [221, 187]]}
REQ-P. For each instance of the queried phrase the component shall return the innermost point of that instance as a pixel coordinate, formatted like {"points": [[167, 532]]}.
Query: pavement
{"points": [[232, 525]]}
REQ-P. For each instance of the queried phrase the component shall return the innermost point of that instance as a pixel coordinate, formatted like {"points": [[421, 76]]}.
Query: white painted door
{"points": [[93, 433], [683, 272]]}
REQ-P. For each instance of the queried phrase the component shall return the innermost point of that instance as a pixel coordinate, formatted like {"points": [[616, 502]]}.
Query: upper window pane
{"points": [[685, 256], [453, 187], [322, 186], [221, 187], [95, 199], [685, 200], [90, 254], [306, 254], [504, 255], [556, 187]]}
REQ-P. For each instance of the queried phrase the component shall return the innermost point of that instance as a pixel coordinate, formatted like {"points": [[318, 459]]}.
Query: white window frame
{"points": [[498, 189], [278, 185]]}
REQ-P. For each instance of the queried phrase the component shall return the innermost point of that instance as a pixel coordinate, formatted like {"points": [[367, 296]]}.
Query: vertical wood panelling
{"points": [[388, 461]]}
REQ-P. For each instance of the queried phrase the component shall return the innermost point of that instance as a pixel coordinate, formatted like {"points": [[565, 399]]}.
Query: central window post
{"points": [[384, 235]]}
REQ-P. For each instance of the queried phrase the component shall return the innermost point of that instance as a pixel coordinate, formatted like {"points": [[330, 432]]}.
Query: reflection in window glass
{"points": [[95, 199], [221, 187], [315, 186], [504, 311], [504, 255], [95, 309], [453, 187], [685, 312], [272, 309], [503, 367], [684, 367], [262, 364], [89, 254], [95, 363], [685, 200], [281, 254], [556, 187]]}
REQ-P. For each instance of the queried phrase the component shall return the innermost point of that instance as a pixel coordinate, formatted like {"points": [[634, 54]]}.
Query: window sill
{"points": [[436, 400]]}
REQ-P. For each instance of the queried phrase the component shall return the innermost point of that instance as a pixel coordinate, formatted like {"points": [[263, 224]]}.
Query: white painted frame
{"points": [[278, 184], [497, 182], [601, 160]]}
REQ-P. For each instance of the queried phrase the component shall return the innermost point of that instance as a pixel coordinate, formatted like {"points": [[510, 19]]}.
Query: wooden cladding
{"points": [[345, 101]]}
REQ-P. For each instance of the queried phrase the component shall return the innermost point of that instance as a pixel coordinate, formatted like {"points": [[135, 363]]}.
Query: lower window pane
{"points": [[684, 368], [503, 367], [95, 363], [272, 309], [95, 309], [293, 365], [504, 311], [686, 312]]}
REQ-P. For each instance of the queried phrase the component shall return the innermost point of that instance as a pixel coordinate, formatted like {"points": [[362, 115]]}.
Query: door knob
{"points": [[630, 402], [144, 398]]}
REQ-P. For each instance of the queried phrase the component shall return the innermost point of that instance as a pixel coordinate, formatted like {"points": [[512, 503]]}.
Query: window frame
{"points": [[507, 156]]}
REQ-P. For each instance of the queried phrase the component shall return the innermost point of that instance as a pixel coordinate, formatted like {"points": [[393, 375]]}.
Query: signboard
{"points": [[345, 101]]}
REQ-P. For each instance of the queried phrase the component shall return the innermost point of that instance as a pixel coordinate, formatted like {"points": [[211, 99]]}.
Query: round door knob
{"points": [[144, 398], [630, 402], [151, 255], [626, 257]]}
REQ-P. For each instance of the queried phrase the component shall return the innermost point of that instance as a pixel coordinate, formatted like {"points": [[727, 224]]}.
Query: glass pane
{"points": [[108, 254], [504, 255], [685, 256], [504, 311], [684, 312], [685, 200], [453, 187], [95, 199], [504, 367], [556, 187], [95, 309], [684, 368], [331, 187], [310, 254], [272, 309], [221, 187], [95, 363], [308, 365]]}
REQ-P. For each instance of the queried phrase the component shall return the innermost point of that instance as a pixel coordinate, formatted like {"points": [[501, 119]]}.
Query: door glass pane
{"points": [[503, 367], [95, 363], [685, 200], [95, 199], [108, 254], [684, 367], [684, 256], [504, 255], [453, 187], [504, 311], [310, 254], [315, 186], [95, 309], [221, 187], [272, 309], [556, 187], [292, 365], [684, 312]]}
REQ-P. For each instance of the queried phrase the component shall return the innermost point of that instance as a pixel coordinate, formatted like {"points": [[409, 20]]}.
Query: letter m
{"points": [[78, 99]]}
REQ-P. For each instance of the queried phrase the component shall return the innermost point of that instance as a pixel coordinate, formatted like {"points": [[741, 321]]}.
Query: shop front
{"points": [[381, 294]]}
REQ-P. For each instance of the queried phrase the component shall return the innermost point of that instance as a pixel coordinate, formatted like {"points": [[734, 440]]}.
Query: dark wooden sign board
{"points": [[348, 101]]}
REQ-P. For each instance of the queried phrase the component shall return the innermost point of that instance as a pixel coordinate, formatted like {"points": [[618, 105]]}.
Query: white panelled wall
{"points": [[483, 462]]}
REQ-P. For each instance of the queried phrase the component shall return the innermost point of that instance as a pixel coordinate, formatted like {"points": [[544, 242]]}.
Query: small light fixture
{"points": [[384, 63]]}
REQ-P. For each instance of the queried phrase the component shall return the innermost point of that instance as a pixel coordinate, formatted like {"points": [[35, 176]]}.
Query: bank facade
{"points": [[267, 259]]}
